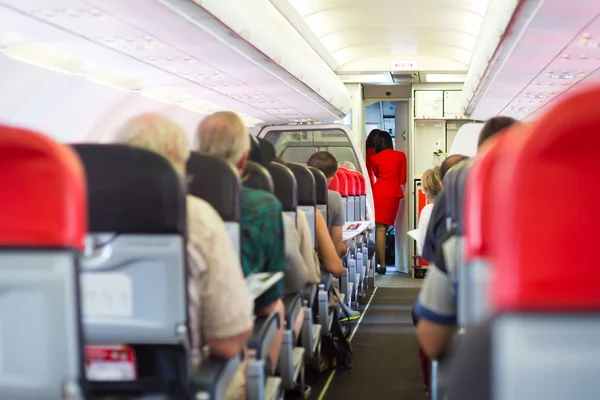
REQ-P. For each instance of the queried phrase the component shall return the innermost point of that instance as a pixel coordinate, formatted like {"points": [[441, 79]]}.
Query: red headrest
{"points": [[342, 182], [478, 195], [43, 202], [549, 221], [351, 181], [361, 183], [335, 184]]}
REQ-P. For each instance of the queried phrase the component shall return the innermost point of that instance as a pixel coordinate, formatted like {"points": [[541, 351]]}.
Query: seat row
{"points": [[527, 315], [351, 185], [93, 246]]}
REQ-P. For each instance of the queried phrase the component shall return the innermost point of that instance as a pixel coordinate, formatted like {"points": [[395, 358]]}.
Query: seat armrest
{"points": [[310, 293], [263, 334], [326, 279], [213, 377], [293, 304]]}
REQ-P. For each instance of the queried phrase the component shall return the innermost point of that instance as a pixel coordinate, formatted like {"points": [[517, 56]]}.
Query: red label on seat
{"points": [[110, 363]]}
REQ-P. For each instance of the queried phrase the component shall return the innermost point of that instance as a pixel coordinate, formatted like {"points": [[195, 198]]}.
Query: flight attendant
{"points": [[389, 171]]}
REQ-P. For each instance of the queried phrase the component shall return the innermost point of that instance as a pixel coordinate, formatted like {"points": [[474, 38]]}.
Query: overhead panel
{"points": [[556, 51], [171, 50]]}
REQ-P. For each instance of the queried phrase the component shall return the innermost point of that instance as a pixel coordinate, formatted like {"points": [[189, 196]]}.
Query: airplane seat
{"points": [[351, 194], [362, 255], [478, 223], [351, 210], [285, 188], [44, 222], [307, 201], [541, 340], [342, 189], [291, 358], [223, 193], [321, 190], [133, 275]]}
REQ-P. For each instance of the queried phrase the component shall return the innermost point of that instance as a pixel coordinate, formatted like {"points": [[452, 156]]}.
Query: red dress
{"points": [[389, 171]]}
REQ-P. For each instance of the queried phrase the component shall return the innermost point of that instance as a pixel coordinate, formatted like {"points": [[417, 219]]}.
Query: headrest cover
{"points": [[360, 183], [351, 181], [320, 185], [286, 188], [257, 177], [217, 182], [477, 218], [306, 184], [132, 190], [342, 182], [550, 221], [43, 202]]}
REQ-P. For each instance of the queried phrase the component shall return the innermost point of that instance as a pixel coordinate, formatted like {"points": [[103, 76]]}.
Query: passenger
{"points": [[336, 217], [224, 135], [219, 304], [347, 165], [435, 308], [432, 185], [389, 169]]}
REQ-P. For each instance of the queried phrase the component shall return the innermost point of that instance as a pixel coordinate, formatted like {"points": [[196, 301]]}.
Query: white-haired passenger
{"points": [[347, 165], [220, 307], [224, 135]]}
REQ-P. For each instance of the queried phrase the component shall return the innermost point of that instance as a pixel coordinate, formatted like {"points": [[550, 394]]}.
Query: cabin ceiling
{"points": [[366, 37]]}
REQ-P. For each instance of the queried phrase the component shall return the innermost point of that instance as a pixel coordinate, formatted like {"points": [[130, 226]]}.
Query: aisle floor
{"points": [[386, 361]]}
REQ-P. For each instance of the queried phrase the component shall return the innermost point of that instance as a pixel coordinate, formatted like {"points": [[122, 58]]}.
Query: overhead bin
{"points": [[550, 48], [158, 55]]}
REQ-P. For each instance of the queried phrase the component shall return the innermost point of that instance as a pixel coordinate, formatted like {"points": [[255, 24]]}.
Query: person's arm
{"points": [[272, 243], [436, 311], [327, 253], [337, 225], [307, 250], [224, 302], [295, 271]]}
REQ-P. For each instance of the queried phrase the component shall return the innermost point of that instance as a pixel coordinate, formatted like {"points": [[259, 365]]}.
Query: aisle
{"points": [[386, 361]]}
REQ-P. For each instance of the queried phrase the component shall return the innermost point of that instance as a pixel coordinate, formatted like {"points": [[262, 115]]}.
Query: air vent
{"points": [[405, 77]]}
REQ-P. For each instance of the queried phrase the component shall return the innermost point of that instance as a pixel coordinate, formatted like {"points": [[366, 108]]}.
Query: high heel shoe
{"points": [[381, 271]]}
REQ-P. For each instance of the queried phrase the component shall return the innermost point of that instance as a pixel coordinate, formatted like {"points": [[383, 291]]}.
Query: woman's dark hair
{"points": [[370, 144], [382, 141]]}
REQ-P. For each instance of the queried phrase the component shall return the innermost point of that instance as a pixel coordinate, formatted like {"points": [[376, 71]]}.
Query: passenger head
{"points": [[370, 143], [159, 134], [431, 183], [382, 141], [347, 165], [326, 162], [494, 126], [224, 135], [450, 162]]}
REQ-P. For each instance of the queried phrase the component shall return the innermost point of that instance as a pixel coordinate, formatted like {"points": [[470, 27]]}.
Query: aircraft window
{"points": [[298, 146]]}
